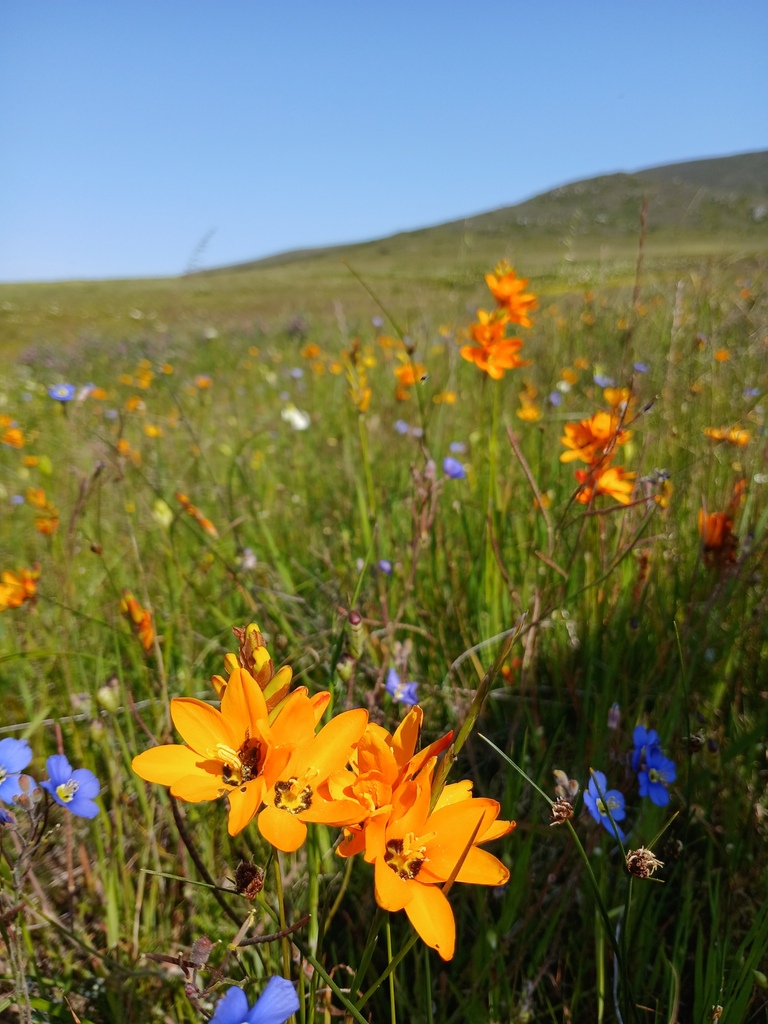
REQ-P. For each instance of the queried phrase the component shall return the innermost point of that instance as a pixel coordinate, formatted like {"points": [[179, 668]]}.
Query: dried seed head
{"points": [[641, 863], [249, 879], [561, 811]]}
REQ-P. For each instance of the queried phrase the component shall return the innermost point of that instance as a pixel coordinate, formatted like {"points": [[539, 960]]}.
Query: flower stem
{"points": [[281, 911]]}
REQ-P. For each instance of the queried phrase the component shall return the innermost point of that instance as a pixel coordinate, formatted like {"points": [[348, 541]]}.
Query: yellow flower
{"points": [[18, 587], [529, 412]]}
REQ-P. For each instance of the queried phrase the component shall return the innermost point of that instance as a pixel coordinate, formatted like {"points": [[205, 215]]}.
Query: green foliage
{"points": [[620, 604]]}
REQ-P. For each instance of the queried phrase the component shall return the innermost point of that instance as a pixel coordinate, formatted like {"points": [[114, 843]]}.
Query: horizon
{"points": [[138, 134]]}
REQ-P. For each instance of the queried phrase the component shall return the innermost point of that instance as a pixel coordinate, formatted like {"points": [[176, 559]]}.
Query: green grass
{"points": [[620, 604]]}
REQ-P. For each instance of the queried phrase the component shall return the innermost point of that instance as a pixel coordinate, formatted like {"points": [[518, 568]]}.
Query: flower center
{"points": [[404, 857], [66, 791], [612, 805], [294, 795], [242, 765], [656, 776]]}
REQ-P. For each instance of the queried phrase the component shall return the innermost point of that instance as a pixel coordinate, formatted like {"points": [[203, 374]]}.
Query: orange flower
{"points": [[233, 752], [509, 292], [13, 436], [733, 435], [18, 587], [415, 852], [722, 355], [141, 619], [615, 481], [497, 357], [591, 439], [489, 327], [197, 515], [203, 382], [616, 397], [300, 794], [36, 497], [717, 536], [310, 351]]}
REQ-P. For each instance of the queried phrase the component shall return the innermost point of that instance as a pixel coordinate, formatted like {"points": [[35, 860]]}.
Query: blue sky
{"points": [[133, 128]]}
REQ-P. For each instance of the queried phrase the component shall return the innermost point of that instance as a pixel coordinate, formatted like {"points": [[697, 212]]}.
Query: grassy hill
{"points": [[567, 237]]}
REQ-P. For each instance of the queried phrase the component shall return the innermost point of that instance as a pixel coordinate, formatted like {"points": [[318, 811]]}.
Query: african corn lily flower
{"points": [[300, 794], [232, 752], [415, 852], [509, 292], [407, 375], [615, 482], [591, 439], [18, 587], [489, 328], [140, 618]]}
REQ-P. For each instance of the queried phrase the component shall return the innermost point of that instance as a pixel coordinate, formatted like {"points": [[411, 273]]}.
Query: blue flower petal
{"points": [[276, 1003], [231, 1008]]}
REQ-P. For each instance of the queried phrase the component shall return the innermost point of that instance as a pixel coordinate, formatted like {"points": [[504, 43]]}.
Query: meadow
{"points": [[535, 510]]}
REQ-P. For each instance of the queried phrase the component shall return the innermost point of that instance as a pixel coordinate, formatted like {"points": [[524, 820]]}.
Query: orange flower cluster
{"points": [[263, 750], [140, 618], [732, 435], [594, 441], [491, 350], [359, 389], [18, 587], [47, 522], [196, 514]]}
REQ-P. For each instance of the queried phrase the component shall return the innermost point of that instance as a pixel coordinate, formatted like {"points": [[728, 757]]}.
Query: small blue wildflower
{"points": [[660, 771], [385, 566], [62, 392], [604, 381], [640, 367], [6, 818], [402, 427], [14, 756], [555, 398], [404, 692], [74, 790], [377, 321], [751, 392], [457, 447], [274, 1006], [598, 806], [297, 373], [17, 499], [643, 740], [417, 432], [453, 468]]}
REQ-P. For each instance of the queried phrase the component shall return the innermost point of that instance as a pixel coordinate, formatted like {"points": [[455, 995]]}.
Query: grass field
{"points": [[299, 442]]}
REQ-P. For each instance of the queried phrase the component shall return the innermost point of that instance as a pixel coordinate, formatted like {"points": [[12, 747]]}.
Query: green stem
{"points": [[392, 1006], [281, 911]]}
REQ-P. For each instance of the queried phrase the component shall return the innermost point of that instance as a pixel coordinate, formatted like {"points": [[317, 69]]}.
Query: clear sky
{"points": [[132, 128]]}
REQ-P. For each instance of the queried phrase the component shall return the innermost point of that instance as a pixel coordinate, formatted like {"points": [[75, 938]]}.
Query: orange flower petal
{"points": [[392, 892], [166, 764], [202, 726], [199, 786], [284, 831], [244, 802], [430, 914]]}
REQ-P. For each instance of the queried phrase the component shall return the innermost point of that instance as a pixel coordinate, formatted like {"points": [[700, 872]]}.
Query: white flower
{"points": [[298, 419]]}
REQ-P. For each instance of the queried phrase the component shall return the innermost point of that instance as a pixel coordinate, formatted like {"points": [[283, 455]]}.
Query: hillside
{"points": [[564, 238]]}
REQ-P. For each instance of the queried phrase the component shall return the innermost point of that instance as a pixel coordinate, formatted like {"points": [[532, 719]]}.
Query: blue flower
{"points": [[603, 381], [385, 566], [297, 373], [598, 806], [274, 1006], [660, 771], [751, 392], [74, 790], [398, 690], [62, 392], [453, 468], [457, 447], [14, 755], [555, 398], [640, 367], [644, 740], [402, 427]]}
